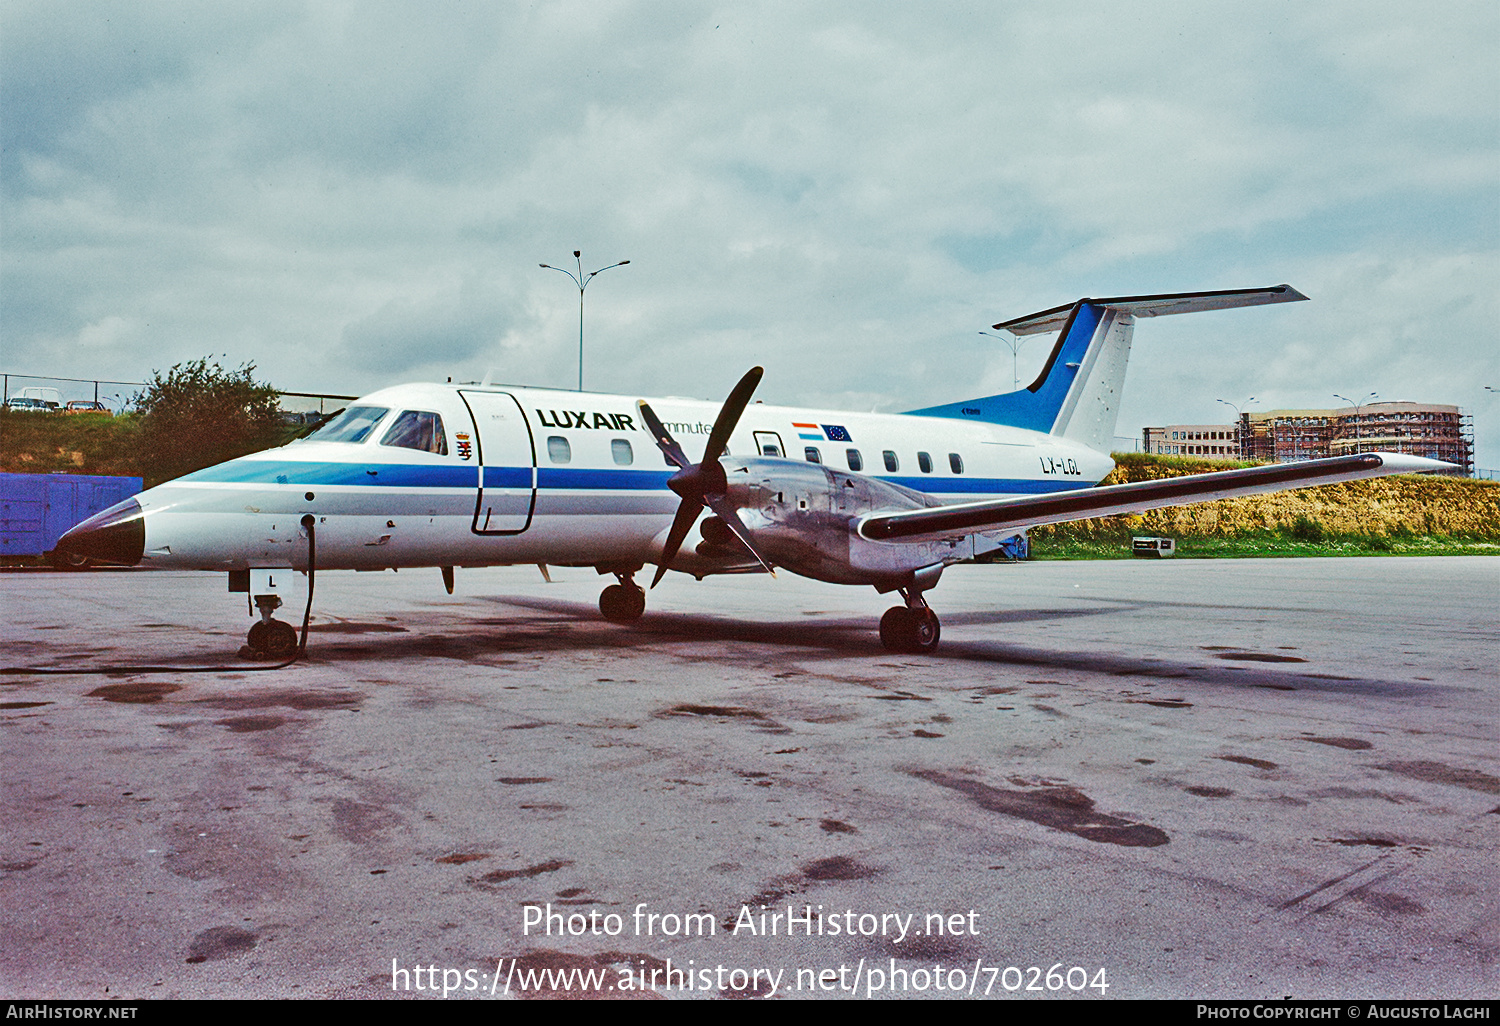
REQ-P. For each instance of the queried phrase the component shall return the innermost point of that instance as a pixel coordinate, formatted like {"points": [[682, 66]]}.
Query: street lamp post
{"points": [[1014, 342], [582, 281], [1357, 407], [1239, 439]]}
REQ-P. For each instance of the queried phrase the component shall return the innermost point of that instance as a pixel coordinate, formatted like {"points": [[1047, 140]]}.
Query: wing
{"points": [[1029, 511]]}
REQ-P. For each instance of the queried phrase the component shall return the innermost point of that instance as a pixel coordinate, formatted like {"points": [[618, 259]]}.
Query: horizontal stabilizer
{"points": [[1155, 306], [1032, 511]]}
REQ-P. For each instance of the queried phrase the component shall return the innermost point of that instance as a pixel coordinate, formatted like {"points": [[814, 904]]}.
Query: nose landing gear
{"points": [[270, 637], [912, 628], [623, 602]]}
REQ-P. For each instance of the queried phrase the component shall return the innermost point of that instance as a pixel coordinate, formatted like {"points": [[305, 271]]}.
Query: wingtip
{"points": [[1402, 463]]}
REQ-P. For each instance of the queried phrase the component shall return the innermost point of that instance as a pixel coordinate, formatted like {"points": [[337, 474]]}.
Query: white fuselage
{"points": [[540, 476]]}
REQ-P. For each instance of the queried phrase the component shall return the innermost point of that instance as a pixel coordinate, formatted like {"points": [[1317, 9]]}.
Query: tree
{"points": [[198, 414]]}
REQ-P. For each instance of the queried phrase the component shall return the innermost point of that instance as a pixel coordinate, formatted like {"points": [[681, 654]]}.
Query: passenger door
{"points": [[507, 464]]}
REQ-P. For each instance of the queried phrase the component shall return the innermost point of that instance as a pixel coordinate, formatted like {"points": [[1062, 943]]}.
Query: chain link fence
{"points": [[119, 396]]}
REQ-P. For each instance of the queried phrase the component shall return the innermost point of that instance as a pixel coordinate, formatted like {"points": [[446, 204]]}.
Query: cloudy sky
{"points": [[354, 194]]}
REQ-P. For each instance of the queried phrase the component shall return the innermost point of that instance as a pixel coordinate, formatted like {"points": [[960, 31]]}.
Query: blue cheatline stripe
{"points": [[377, 475], [407, 475], [627, 480], [507, 477]]}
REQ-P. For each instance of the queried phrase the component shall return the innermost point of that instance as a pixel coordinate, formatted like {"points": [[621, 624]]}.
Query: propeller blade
{"points": [[702, 484], [687, 514], [664, 440], [729, 414], [730, 516]]}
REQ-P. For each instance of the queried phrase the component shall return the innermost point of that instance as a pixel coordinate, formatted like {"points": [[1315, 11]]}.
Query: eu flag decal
{"points": [[836, 433]]}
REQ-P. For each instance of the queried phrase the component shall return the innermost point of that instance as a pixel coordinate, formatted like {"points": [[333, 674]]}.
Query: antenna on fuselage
{"points": [[489, 378]]}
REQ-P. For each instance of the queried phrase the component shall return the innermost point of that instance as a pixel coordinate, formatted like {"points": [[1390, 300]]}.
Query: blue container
{"points": [[37, 509]]}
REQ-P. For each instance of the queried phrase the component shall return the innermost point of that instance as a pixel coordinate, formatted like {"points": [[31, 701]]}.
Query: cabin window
{"points": [[620, 449], [558, 449], [415, 429], [955, 463], [891, 463], [770, 449], [856, 461], [924, 462], [353, 425], [813, 455]]}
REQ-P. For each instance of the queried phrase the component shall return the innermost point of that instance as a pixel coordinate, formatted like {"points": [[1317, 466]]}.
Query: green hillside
{"points": [[1417, 514]]}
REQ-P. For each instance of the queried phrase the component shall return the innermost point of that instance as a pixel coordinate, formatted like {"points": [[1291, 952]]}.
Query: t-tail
{"points": [[1077, 394]]}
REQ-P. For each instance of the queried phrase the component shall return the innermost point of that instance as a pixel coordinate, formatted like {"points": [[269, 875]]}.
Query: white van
{"points": [[50, 397]]}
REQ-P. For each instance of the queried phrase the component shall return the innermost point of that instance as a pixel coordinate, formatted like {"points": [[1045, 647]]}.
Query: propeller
{"points": [[703, 484]]}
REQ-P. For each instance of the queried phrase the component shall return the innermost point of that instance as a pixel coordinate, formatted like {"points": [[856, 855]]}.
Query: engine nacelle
{"points": [[801, 516]]}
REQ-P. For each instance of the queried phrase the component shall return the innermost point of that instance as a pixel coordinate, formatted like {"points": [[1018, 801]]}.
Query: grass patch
{"points": [[72, 443], [96, 443], [1270, 545]]}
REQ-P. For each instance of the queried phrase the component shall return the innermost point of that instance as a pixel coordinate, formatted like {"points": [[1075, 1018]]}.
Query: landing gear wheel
{"points": [[274, 638], [622, 603], [914, 631]]}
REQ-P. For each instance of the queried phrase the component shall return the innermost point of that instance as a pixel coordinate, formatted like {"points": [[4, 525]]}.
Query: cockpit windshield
{"points": [[353, 425]]}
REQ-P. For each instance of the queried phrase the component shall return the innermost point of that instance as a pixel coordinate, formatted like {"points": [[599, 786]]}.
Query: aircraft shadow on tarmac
{"points": [[575, 627]]}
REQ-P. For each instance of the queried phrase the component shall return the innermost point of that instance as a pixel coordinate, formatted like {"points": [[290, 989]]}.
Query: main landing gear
{"points": [[623, 602], [274, 638], [912, 628]]}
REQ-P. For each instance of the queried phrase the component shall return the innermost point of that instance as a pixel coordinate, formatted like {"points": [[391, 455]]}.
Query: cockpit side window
{"points": [[417, 429], [353, 425]]}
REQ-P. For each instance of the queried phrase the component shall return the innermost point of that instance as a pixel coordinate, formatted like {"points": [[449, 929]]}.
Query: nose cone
{"points": [[117, 535]]}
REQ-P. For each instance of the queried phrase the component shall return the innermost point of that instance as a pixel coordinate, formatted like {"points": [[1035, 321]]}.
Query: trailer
{"points": [[1153, 548], [37, 509]]}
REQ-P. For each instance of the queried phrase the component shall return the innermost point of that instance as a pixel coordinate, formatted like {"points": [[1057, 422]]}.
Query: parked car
{"points": [[21, 404], [86, 406]]}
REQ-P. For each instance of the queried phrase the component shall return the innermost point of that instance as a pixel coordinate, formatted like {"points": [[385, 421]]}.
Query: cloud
{"points": [[847, 193]]}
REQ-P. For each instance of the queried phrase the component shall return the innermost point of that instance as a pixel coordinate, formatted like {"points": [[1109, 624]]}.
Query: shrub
{"points": [[198, 414]]}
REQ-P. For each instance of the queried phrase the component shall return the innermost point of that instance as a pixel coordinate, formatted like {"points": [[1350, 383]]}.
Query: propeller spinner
{"points": [[703, 484]]}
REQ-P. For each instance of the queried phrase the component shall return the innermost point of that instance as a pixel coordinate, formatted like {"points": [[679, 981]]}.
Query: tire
{"points": [[620, 604], [911, 631]]}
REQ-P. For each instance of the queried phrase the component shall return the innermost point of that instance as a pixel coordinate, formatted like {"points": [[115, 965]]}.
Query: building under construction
{"points": [[1436, 431]]}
